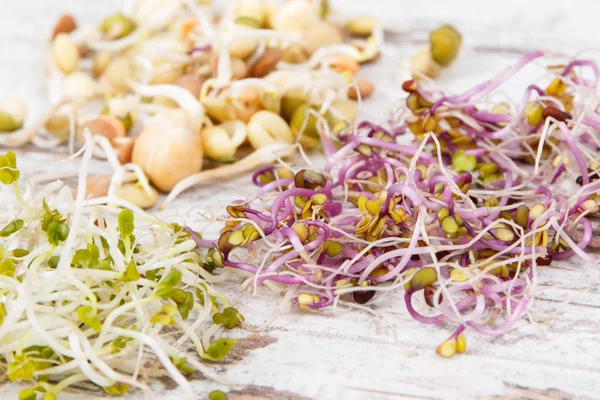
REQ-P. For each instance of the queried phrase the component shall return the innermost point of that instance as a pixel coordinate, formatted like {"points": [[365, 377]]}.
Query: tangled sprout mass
{"points": [[456, 200]]}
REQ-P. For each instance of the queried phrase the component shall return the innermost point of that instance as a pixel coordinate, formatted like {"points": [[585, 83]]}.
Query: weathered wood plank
{"points": [[352, 354]]}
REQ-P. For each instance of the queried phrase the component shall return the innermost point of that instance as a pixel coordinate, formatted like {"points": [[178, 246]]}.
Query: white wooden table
{"points": [[343, 354]]}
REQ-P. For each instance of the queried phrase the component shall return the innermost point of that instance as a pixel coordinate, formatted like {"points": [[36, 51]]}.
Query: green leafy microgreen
{"points": [[54, 225], [164, 316], [20, 253], [117, 389], [219, 349], [463, 162], [185, 307], [81, 258], [131, 273], [119, 343], [151, 274], [22, 368], [229, 318], [167, 283], [7, 267], [8, 168], [29, 393], [126, 224], [178, 296], [89, 316], [181, 365], [104, 265], [12, 227]]}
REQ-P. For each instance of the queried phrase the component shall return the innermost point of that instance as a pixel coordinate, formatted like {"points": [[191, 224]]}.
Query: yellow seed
{"points": [[492, 202], [379, 271], [449, 225], [65, 53], [504, 234], [590, 205], [301, 230], [423, 278], [447, 349], [534, 113], [458, 276], [461, 343], [443, 213], [305, 300], [291, 101], [542, 238], [522, 216], [487, 170], [373, 207], [408, 277], [398, 214], [536, 211], [332, 248], [319, 199], [266, 127], [362, 203], [236, 238]]}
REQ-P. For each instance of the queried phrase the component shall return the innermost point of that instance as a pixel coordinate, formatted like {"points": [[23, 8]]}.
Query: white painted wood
{"points": [[350, 354]]}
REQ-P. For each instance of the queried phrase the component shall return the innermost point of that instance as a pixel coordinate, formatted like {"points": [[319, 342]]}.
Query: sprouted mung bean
{"points": [[151, 56], [461, 217], [93, 292]]}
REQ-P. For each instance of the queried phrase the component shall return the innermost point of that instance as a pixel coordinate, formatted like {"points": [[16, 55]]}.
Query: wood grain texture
{"points": [[352, 354]]}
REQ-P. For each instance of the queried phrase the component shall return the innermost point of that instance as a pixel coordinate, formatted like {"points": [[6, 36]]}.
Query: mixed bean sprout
{"points": [[171, 83], [456, 200]]}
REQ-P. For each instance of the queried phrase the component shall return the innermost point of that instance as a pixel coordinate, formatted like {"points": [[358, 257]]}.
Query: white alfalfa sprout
{"points": [[263, 156], [31, 313]]}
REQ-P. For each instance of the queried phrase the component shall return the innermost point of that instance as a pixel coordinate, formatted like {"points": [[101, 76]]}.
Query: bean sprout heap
{"points": [[171, 82], [455, 201]]}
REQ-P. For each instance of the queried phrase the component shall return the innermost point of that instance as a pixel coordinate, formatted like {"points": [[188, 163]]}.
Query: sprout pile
{"points": [[457, 201], [172, 83], [98, 293]]}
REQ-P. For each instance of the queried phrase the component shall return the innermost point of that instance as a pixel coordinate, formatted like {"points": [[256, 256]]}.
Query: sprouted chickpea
{"points": [[150, 57]]}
